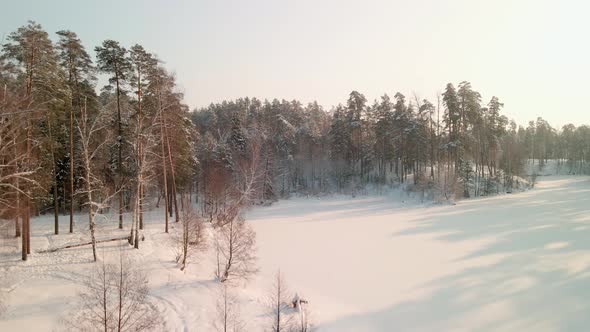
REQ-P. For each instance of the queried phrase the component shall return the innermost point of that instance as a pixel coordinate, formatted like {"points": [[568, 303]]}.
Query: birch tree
{"points": [[89, 129]]}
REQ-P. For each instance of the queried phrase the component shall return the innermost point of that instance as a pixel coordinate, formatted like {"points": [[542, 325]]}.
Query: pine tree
{"points": [[142, 63], [112, 59], [356, 111], [31, 52], [77, 65], [383, 127]]}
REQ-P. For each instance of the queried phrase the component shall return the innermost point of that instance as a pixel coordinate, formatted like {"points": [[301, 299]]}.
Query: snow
{"points": [[372, 263]]}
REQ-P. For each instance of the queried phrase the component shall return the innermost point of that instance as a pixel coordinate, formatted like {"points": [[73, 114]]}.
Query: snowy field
{"points": [[517, 262]]}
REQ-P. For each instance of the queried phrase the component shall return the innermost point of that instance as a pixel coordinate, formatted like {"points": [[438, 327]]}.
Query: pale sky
{"points": [[533, 55]]}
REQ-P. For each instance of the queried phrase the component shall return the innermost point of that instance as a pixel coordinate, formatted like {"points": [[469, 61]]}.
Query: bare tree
{"points": [[174, 194], [93, 311], [235, 248], [146, 162], [227, 312], [167, 101], [281, 310], [89, 129], [192, 239], [303, 321], [235, 239], [17, 174], [115, 298], [10, 170]]}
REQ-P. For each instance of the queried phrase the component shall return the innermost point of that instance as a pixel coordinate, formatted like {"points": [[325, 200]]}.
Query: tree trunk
{"points": [[24, 236], [139, 150], [136, 219], [119, 152], [54, 171], [163, 160], [71, 167], [28, 198], [90, 206], [28, 222], [55, 208], [176, 217], [17, 232], [141, 199], [131, 236], [84, 244]]}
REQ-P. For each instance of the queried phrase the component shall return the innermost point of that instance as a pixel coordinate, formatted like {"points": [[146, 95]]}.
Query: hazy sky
{"points": [[534, 55]]}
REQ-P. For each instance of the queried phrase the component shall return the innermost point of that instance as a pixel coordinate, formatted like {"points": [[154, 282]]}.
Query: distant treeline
{"points": [[66, 145]]}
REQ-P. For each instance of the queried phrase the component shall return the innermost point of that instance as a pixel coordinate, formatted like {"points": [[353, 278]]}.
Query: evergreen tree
{"points": [[30, 53], [141, 62], [77, 65], [112, 59]]}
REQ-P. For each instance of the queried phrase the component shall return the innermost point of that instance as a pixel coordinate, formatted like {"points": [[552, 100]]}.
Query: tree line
{"points": [[68, 146]]}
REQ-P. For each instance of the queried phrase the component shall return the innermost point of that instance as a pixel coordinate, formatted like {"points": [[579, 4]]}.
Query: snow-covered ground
{"points": [[510, 263]]}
